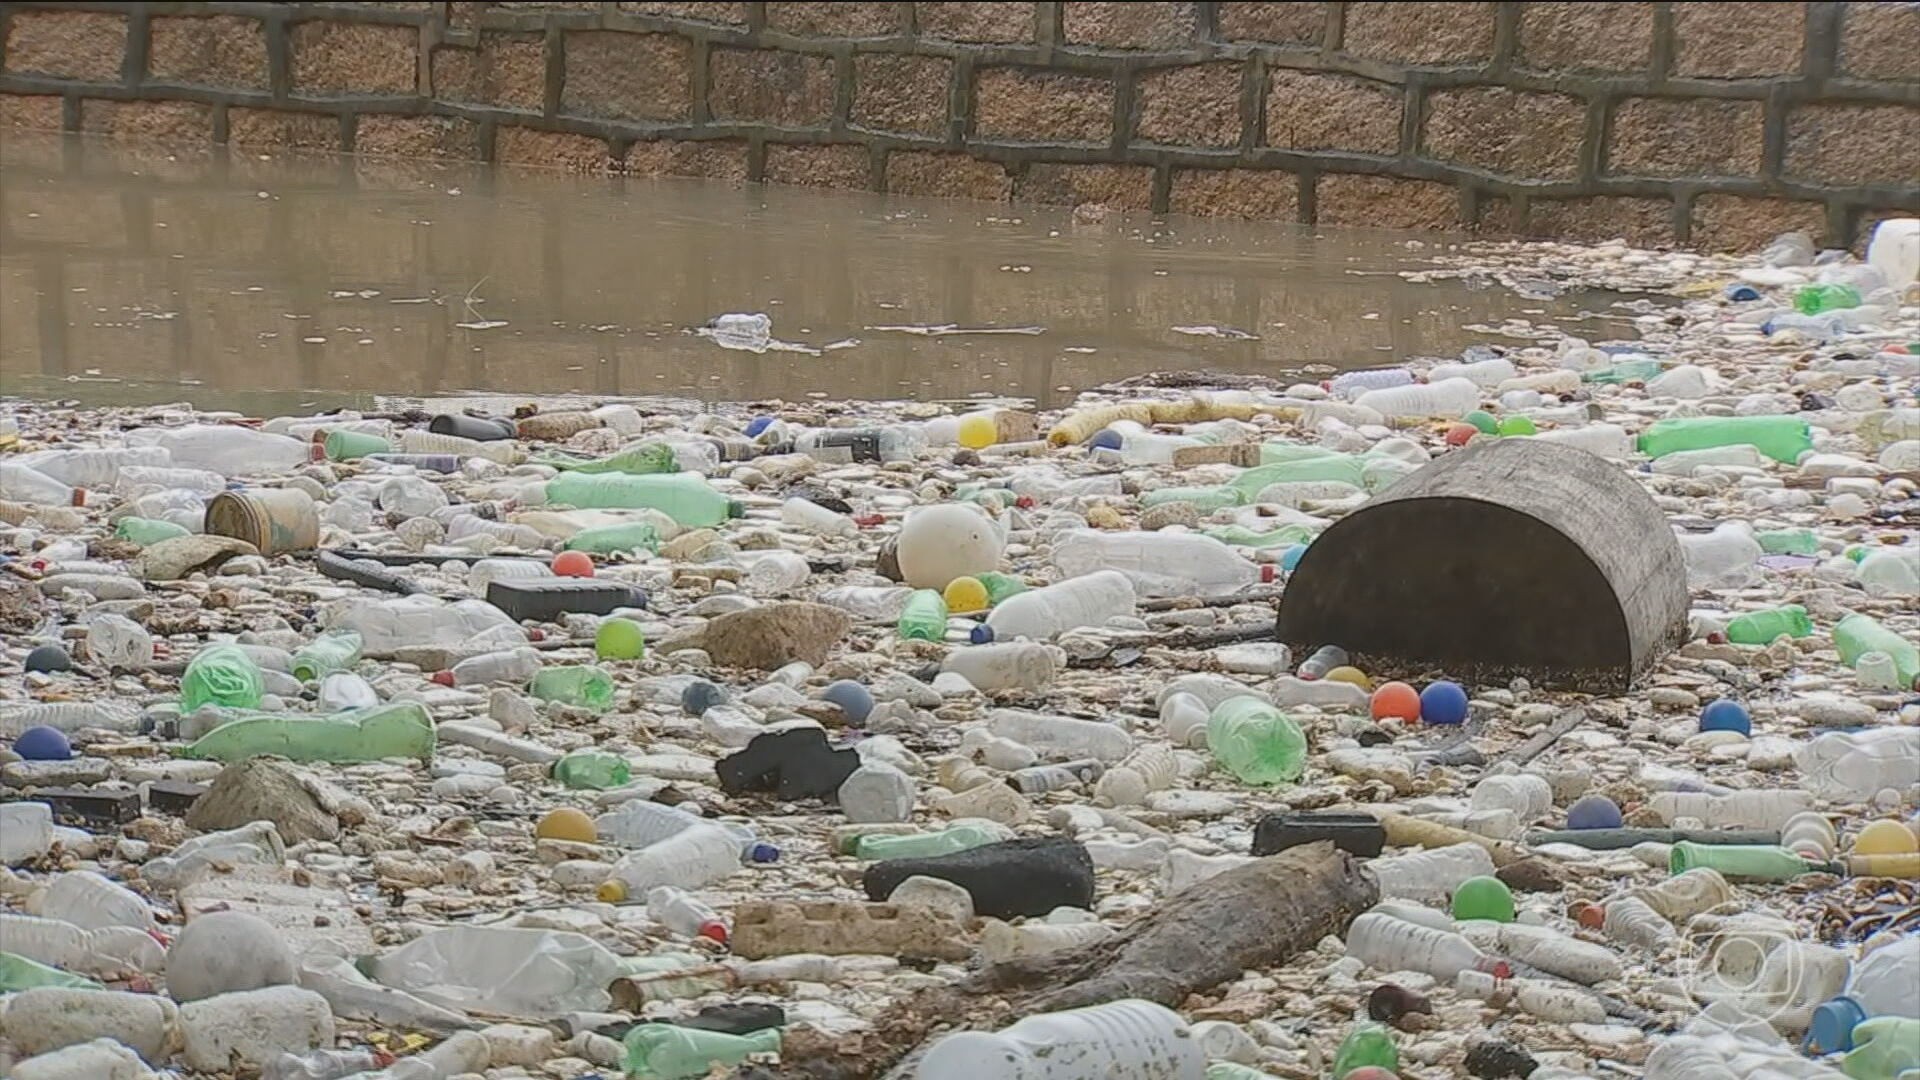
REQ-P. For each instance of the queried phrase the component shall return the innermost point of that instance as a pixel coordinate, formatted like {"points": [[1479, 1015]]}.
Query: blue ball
{"points": [[757, 425], [1726, 715], [49, 658], [700, 696], [1291, 555], [853, 699], [43, 744], [1104, 439], [1443, 702], [1594, 812]]}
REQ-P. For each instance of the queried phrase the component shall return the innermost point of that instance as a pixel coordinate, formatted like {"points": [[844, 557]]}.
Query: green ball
{"points": [[1483, 898], [1483, 420], [620, 639], [1517, 425]]}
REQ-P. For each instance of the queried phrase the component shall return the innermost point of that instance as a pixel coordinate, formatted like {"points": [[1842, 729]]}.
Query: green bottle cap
{"points": [[736, 508]]}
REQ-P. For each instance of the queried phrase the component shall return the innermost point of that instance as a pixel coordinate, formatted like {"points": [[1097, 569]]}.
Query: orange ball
{"points": [[1396, 699], [573, 564], [1458, 434]]}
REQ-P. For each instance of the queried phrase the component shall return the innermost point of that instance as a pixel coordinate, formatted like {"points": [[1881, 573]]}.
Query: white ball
{"points": [[940, 543]]}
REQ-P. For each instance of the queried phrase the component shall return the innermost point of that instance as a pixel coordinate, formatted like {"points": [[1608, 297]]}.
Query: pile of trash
{"points": [[866, 739]]}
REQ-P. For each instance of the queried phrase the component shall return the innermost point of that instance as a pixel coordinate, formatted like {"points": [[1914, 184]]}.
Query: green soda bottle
{"points": [[344, 445], [327, 654], [1256, 742], [1822, 297], [580, 685], [955, 838], [144, 531], [1789, 541], [20, 973], [641, 460], [1204, 499], [1276, 453], [223, 675], [596, 770], [620, 639], [1740, 862], [1761, 627], [1782, 438], [925, 616], [1367, 1044], [1241, 536], [999, 586], [687, 498], [616, 539], [1857, 635], [1625, 371], [670, 1052], [398, 730], [1341, 468]]}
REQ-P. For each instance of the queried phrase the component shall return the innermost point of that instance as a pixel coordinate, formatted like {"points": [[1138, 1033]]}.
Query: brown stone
{"points": [[32, 112], [1686, 137], [220, 50], [1307, 111], [949, 176], [1515, 132], [1283, 24], [507, 71], [416, 137], [897, 92], [1414, 33], [771, 87], [1131, 25], [177, 121], [1854, 144], [995, 22], [282, 130], [1123, 187], [713, 159], [551, 149], [1385, 202], [1740, 223], [1640, 222], [1730, 40], [70, 44], [1196, 105], [1041, 106], [355, 59], [851, 19], [1245, 193], [1586, 37], [628, 76], [1881, 41], [847, 167], [729, 14]]}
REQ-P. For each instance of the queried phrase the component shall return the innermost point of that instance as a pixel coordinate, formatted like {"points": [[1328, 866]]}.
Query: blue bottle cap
{"points": [[763, 852], [981, 634], [1831, 1031], [1104, 439], [757, 425]]}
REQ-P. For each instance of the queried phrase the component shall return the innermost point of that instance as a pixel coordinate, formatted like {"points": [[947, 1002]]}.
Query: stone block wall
{"points": [[1707, 124]]}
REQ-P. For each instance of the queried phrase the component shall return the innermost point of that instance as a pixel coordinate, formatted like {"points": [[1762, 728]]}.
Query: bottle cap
{"points": [[1831, 1030], [1588, 914], [714, 930], [611, 891], [763, 852], [79, 496], [981, 634], [736, 509], [1266, 573]]}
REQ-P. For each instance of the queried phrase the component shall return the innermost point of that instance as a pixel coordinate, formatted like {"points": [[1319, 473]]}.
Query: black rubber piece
{"points": [[793, 764], [1358, 834], [1030, 876], [1492, 1058], [736, 1018], [334, 565]]}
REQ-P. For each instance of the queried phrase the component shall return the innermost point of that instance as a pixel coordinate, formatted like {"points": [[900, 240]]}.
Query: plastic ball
{"points": [[49, 658], [854, 700], [1885, 837], [978, 430], [940, 543], [1460, 434], [1483, 898], [1594, 812], [757, 425], [1517, 425], [41, 743], [573, 564], [619, 639], [1104, 439], [699, 696], [1396, 699], [1443, 702], [965, 596], [1483, 420], [566, 823], [1726, 715], [1351, 675]]}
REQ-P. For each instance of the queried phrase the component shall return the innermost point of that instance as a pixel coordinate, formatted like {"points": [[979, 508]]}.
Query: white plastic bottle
{"points": [[1885, 978], [1385, 943], [1557, 954], [107, 953], [90, 901], [26, 831], [691, 859], [1852, 767], [1891, 572], [810, 517], [134, 480], [1047, 612], [1764, 809], [1121, 1040], [1004, 941], [256, 843], [1321, 693], [93, 468], [1527, 796], [1606, 440], [685, 914], [421, 441], [1147, 769], [1351, 384], [1628, 919], [638, 823], [1009, 665], [1159, 563], [1447, 398], [1184, 716], [1062, 737], [1430, 875], [775, 573], [877, 603], [507, 666], [1489, 373], [118, 642]]}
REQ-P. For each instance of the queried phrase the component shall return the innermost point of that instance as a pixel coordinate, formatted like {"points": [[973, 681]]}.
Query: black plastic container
{"points": [[1030, 876], [1358, 834], [546, 599], [477, 428]]}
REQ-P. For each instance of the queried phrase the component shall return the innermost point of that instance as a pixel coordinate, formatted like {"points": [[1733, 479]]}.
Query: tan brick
{"points": [[1854, 144], [1197, 105], [1640, 222], [716, 159], [282, 130], [70, 44], [1696, 137], [1284, 24], [1740, 223], [1731, 40], [1881, 41], [896, 92], [846, 167], [32, 112], [173, 121], [221, 50], [1306, 111], [340, 59], [1244, 193], [507, 71], [416, 137], [1131, 25], [1514, 132], [628, 76], [1123, 187], [727, 14], [1412, 33], [551, 149], [951, 176], [770, 87], [850, 19], [1385, 202], [1586, 37], [1041, 106], [994, 22]]}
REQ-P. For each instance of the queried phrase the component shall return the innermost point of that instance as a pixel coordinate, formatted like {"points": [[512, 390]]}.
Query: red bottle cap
{"points": [[79, 496], [1266, 573], [714, 931], [441, 678]]}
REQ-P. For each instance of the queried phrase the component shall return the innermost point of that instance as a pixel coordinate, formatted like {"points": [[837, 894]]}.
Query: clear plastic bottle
{"points": [[1854, 767], [118, 642], [639, 823], [330, 652], [516, 666], [227, 449], [1351, 384], [846, 445], [778, 573], [1004, 941], [90, 901], [1727, 557], [1324, 659], [386, 626], [876, 603], [1042, 779], [256, 843], [1385, 943], [1527, 796], [487, 571], [809, 516], [418, 441], [322, 1064], [1159, 563], [1684, 895], [1184, 716], [135, 480], [19, 483], [685, 914], [1885, 978], [685, 497], [26, 831], [1012, 665], [1129, 1038], [1448, 399], [1062, 736], [93, 468], [1891, 572], [1430, 875], [1630, 920], [1762, 809], [1147, 769], [1489, 373], [1320, 693], [1089, 600], [691, 859]]}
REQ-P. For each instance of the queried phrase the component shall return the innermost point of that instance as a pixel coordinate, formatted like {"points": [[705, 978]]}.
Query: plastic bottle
{"points": [[1528, 796], [631, 537], [93, 468], [1351, 384], [1146, 770], [417, 441], [1630, 920], [1856, 635], [1003, 941], [1891, 572], [1489, 372], [140, 479], [685, 914], [1159, 563], [92, 902], [1854, 767], [1430, 875], [671, 1052], [1606, 440], [226, 449], [1088, 600], [637, 460], [396, 730], [1884, 1048], [842, 445], [118, 642], [477, 428], [582, 686], [221, 675], [506, 666], [1324, 468], [146, 531], [254, 844], [1688, 462], [1320, 693], [592, 769], [1062, 736], [1324, 659], [961, 836], [1741, 862], [810, 517], [1686, 894], [1760, 809], [1724, 558], [1448, 399], [999, 586], [1128, 1038], [19, 483], [1368, 1044], [1012, 665], [322, 1064], [1782, 438], [925, 616], [692, 858], [1761, 627], [19, 973], [685, 497], [1385, 943], [487, 571], [1042, 779], [1256, 742], [1884, 979], [385, 626], [327, 653], [1821, 297]]}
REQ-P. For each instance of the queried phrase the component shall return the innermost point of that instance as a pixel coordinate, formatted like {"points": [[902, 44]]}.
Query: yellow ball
{"points": [[965, 596], [1885, 838], [978, 430], [1351, 675], [566, 823], [611, 891]]}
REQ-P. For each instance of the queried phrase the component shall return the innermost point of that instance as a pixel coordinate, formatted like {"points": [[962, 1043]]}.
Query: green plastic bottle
{"points": [[1483, 898], [144, 531], [1275, 453], [326, 654], [1256, 742], [20, 973], [670, 1052], [345, 445], [1822, 297], [1761, 627], [1229, 1070], [580, 685], [1340, 468], [1367, 1044], [1884, 1047], [1241, 536], [925, 616], [1740, 862], [397, 730], [620, 639], [595, 770], [999, 586], [616, 539], [1782, 438], [948, 841], [223, 675], [1625, 371], [1789, 541], [642, 460], [1204, 499], [1857, 635], [685, 497]]}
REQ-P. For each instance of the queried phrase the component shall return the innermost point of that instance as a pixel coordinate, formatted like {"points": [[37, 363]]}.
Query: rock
{"points": [[768, 637], [226, 951], [934, 894], [1159, 517], [1492, 1058], [171, 560], [262, 789], [240, 1032]]}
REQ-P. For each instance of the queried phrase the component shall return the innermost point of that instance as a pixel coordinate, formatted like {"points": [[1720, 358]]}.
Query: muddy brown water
{"points": [[137, 274]]}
